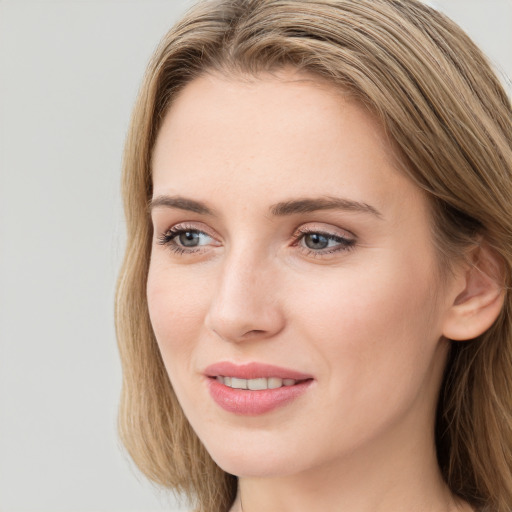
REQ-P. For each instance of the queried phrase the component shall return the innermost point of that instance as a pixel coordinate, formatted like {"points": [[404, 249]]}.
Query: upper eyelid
{"points": [[188, 226], [333, 231]]}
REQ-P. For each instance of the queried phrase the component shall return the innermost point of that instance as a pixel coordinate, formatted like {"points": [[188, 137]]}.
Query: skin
{"points": [[365, 319]]}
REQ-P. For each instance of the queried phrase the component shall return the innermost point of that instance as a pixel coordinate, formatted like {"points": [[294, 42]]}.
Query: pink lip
{"points": [[252, 403], [253, 371]]}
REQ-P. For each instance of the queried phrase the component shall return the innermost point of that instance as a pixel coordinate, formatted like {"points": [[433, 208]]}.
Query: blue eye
{"points": [[184, 239], [318, 243], [188, 238]]}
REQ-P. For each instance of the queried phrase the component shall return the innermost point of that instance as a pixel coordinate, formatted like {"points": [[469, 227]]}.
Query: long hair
{"points": [[451, 121]]}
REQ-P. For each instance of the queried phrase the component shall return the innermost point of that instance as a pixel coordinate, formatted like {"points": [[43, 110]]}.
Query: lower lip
{"points": [[252, 403]]}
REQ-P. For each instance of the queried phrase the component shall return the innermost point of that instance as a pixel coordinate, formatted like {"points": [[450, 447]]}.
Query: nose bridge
{"points": [[245, 305]]}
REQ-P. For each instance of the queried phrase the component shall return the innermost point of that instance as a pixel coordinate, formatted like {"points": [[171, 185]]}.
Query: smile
{"points": [[257, 384], [254, 388]]}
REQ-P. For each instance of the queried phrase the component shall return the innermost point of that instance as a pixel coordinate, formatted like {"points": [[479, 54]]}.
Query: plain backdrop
{"points": [[69, 73]]}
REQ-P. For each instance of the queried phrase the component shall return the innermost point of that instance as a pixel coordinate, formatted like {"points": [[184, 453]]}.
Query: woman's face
{"points": [[291, 256]]}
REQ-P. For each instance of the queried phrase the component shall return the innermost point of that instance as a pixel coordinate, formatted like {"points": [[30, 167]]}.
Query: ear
{"points": [[479, 297]]}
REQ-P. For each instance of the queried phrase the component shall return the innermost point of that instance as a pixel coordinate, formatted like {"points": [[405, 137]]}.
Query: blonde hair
{"points": [[445, 111]]}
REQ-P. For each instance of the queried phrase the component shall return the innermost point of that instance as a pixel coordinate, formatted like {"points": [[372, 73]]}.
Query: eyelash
{"points": [[168, 239], [344, 243]]}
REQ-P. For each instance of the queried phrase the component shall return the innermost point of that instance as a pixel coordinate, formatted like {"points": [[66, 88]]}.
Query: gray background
{"points": [[69, 72]]}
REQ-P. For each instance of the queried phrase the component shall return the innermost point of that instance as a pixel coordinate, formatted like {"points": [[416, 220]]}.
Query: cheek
{"points": [[374, 322], [176, 307], [374, 336], [386, 295]]}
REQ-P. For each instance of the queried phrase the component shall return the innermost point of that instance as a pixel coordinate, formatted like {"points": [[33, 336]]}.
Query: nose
{"points": [[245, 304]]}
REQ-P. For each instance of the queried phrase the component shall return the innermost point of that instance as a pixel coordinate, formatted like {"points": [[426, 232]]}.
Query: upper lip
{"points": [[253, 370]]}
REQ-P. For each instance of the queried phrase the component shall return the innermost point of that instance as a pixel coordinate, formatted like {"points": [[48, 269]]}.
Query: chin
{"points": [[257, 457], [255, 466]]}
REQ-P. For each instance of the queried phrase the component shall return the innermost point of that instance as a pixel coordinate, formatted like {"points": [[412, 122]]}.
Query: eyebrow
{"points": [[180, 203], [308, 205], [297, 206]]}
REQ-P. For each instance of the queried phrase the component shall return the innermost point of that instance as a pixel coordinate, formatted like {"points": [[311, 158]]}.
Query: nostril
{"points": [[253, 332]]}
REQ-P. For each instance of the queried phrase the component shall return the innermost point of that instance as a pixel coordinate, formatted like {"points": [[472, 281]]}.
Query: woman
{"points": [[314, 309]]}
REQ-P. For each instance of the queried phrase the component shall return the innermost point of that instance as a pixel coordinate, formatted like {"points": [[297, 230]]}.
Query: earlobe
{"points": [[477, 306]]}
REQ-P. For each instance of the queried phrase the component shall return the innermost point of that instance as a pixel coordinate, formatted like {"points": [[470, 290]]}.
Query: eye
{"points": [[318, 243], [183, 239], [189, 238]]}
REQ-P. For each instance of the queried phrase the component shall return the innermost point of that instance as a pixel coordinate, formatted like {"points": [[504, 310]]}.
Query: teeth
{"points": [[274, 382], [255, 384], [238, 383]]}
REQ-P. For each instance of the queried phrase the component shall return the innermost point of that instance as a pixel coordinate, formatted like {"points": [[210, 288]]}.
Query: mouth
{"points": [[254, 388], [257, 384]]}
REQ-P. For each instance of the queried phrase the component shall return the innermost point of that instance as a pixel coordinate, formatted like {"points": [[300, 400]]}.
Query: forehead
{"points": [[287, 102], [270, 136]]}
